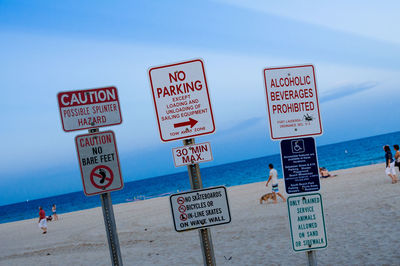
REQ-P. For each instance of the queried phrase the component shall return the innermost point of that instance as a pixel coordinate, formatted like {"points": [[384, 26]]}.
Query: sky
{"points": [[52, 46]]}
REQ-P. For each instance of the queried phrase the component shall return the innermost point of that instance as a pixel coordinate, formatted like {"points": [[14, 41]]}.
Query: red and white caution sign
{"points": [[191, 154], [181, 100], [200, 208], [99, 163], [84, 109], [292, 100]]}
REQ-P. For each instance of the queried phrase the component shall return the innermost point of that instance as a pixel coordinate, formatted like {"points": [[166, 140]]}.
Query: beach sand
{"points": [[362, 216]]}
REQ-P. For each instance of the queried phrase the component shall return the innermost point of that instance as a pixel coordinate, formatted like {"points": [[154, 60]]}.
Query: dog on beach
{"points": [[266, 197]]}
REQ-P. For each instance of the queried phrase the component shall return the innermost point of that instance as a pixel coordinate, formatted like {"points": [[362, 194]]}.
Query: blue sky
{"points": [[52, 46]]}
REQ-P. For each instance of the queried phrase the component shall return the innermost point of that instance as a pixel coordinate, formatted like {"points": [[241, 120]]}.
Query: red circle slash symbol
{"points": [[101, 177], [181, 208], [180, 200], [183, 216]]}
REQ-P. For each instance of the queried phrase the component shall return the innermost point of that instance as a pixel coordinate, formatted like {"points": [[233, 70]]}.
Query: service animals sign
{"points": [[292, 100], [181, 100], [307, 223], [85, 109], [99, 163], [192, 154], [200, 208]]}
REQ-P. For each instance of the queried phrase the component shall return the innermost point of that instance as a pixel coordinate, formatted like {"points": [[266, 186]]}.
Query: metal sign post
{"points": [[204, 234], [111, 229], [312, 258], [109, 222]]}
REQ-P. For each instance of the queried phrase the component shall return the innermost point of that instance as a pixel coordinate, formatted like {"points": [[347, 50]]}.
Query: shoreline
{"points": [[280, 179], [361, 213]]}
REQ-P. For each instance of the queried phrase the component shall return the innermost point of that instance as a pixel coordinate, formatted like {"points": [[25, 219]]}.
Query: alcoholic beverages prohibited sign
{"points": [[307, 223], [99, 163], [181, 100], [84, 109], [292, 100], [200, 208]]}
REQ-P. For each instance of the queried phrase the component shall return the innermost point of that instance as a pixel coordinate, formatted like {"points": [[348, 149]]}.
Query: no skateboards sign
{"points": [[99, 163]]}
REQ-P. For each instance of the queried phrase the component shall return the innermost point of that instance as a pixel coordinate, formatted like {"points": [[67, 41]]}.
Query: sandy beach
{"points": [[362, 214]]}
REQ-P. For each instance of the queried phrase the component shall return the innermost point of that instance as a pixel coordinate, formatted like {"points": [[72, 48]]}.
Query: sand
{"points": [[362, 212]]}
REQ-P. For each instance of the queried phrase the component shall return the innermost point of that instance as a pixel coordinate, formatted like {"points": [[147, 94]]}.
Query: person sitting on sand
{"points": [[390, 164], [324, 173]]}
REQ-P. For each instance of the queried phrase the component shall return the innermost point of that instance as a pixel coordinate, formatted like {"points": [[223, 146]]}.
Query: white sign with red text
{"points": [[181, 100], [191, 154], [292, 101], [99, 163], [85, 109]]}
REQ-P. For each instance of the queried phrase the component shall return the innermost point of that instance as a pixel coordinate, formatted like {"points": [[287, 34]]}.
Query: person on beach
{"points": [[324, 173], [54, 210], [396, 156], [273, 178], [389, 164], [42, 220]]}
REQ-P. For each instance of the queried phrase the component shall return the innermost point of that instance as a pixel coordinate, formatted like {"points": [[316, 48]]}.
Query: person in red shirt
{"points": [[42, 220]]}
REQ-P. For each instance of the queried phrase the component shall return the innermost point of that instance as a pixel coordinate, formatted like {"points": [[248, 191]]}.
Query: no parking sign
{"points": [[99, 163]]}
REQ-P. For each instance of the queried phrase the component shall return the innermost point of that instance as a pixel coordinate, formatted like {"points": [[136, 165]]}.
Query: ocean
{"points": [[336, 156]]}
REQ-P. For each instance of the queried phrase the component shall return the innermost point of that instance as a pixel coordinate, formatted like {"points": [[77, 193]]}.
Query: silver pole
{"points": [[111, 229], [109, 222], [204, 234], [312, 258]]}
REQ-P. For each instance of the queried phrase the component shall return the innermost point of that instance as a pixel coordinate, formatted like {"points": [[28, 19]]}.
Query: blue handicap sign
{"points": [[300, 165]]}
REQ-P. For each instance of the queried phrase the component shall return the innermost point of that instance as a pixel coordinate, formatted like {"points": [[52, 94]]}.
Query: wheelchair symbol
{"points": [[298, 146]]}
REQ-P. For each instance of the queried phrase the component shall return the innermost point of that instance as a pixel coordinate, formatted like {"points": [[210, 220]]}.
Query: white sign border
{"points": [[316, 96], [200, 226], [118, 162], [323, 220], [208, 96], [209, 145], [91, 127]]}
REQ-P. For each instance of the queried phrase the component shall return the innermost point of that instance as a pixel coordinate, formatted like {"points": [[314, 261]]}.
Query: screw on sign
{"points": [[103, 177]]}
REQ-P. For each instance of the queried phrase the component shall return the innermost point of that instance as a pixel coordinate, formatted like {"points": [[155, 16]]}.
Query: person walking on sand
{"points": [[389, 164], [42, 220], [396, 156], [54, 210], [273, 178]]}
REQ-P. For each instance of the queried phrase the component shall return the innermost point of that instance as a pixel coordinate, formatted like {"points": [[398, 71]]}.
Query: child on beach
{"points": [[42, 220], [273, 177], [389, 164]]}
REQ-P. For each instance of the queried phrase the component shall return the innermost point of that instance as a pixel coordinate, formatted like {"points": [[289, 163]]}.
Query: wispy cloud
{"points": [[346, 90], [242, 125]]}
